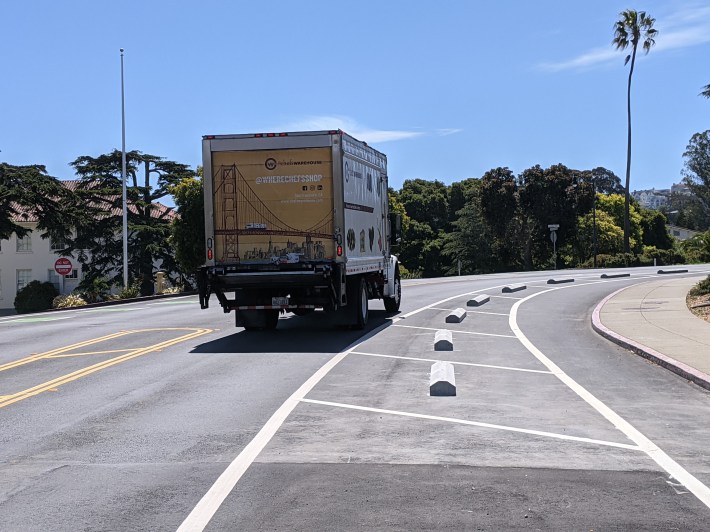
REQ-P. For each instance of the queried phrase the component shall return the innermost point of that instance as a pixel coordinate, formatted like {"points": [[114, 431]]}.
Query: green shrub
{"points": [[172, 290], [663, 257], [702, 288], [619, 260], [35, 296], [404, 273], [131, 291], [68, 301], [97, 289]]}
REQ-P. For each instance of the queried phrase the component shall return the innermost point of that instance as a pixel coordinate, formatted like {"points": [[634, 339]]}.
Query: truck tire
{"points": [[358, 299], [272, 319], [392, 303]]}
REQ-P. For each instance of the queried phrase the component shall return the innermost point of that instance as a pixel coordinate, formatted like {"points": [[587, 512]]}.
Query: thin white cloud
{"points": [[350, 126], [586, 60], [448, 131], [682, 29]]}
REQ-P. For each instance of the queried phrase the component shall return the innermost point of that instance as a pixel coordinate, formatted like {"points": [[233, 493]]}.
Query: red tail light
{"points": [[340, 251], [209, 254]]}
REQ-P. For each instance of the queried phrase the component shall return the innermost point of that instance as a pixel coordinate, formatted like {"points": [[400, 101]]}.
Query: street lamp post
{"points": [[123, 176]]}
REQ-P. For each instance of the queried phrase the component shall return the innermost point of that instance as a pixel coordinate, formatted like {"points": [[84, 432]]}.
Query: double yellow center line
{"points": [[6, 400]]}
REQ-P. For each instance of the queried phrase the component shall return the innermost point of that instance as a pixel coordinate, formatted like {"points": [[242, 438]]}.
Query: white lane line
{"points": [[455, 331], [200, 516], [700, 490], [471, 311], [484, 312], [508, 297], [456, 363], [438, 303], [477, 424], [203, 512], [112, 309], [37, 319]]}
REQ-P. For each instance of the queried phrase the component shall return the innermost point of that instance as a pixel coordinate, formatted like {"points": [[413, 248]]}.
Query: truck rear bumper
{"points": [[239, 280], [306, 288]]}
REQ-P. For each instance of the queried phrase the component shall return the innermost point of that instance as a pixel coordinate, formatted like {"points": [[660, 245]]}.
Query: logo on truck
{"points": [[270, 163]]}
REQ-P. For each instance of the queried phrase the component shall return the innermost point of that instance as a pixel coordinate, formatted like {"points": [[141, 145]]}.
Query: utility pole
{"points": [[123, 175]]}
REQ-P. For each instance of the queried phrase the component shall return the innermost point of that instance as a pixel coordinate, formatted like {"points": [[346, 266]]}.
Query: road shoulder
{"points": [[652, 320]]}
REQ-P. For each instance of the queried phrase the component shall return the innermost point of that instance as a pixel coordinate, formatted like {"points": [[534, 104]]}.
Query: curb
{"points": [[685, 371], [108, 303]]}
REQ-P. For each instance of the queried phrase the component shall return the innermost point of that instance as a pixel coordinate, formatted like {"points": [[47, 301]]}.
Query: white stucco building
{"points": [[28, 259], [33, 258]]}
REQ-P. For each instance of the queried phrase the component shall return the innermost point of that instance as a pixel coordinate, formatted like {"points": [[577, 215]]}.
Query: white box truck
{"points": [[297, 222]]}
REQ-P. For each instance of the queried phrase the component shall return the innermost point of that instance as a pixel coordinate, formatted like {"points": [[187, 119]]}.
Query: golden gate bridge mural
{"points": [[238, 201]]}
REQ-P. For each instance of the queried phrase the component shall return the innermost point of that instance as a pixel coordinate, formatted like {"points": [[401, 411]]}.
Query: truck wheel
{"points": [[392, 303], [361, 304], [272, 319]]}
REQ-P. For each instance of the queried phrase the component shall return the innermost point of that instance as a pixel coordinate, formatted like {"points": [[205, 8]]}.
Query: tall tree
{"points": [[469, 244], [604, 181], [696, 174], [706, 91], [28, 192], [98, 240], [426, 202], [501, 212], [655, 229], [188, 229], [614, 205], [554, 195], [633, 28]]}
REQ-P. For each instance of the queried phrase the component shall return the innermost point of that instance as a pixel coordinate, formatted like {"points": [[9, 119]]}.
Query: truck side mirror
{"points": [[395, 228]]}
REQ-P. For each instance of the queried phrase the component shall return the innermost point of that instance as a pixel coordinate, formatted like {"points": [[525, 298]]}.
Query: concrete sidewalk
{"points": [[652, 319]]}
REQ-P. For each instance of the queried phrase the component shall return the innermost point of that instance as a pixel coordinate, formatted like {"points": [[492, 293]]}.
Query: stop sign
{"points": [[63, 266]]}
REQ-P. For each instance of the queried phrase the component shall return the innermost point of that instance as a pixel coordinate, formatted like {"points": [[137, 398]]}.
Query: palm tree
{"points": [[632, 28], [706, 91]]}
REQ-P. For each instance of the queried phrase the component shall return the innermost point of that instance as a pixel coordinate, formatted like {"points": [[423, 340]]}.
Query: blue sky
{"points": [[447, 89]]}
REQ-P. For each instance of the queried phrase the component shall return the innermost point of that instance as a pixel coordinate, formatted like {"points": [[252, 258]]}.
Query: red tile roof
{"points": [[160, 211]]}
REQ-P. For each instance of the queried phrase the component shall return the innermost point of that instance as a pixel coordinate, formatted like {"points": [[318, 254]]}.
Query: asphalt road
{"points": [[158, 416]]}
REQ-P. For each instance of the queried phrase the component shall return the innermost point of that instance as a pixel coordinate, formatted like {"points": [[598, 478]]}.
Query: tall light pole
{"points": [[123, 175]]}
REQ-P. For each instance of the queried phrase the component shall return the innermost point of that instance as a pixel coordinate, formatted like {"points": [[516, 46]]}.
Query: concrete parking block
{"points": [[478, 300], [442, 382], [560, 281], [456, 316], [443, 340], [614, 275], [513, 288]]}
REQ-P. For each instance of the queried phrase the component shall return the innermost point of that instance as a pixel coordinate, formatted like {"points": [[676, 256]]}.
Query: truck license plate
{"points": [[279, 301]]}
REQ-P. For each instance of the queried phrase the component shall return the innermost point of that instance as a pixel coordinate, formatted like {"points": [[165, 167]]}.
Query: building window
{"points": [[24, 244], [53, 277], [57, 245], [73, 275], [23, 278]]}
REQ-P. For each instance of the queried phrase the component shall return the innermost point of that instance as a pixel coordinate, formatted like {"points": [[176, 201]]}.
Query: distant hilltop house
{"points": [[681, 233], [652, 199], [657, 198], [33, 258]]}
